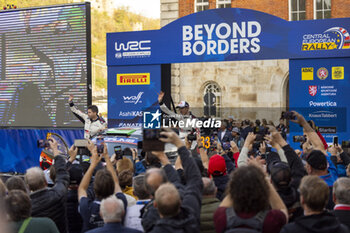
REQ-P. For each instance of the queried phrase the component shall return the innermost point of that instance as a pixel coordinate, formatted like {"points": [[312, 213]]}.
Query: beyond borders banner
{"points": [[318, 88], [230, 34]]}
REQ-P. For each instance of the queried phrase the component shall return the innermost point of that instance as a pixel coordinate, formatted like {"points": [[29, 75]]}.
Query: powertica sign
{"points": [[230, 34]]}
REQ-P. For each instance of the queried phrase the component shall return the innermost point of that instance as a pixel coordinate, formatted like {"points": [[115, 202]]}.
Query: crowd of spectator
{"points": [[249, 179]]}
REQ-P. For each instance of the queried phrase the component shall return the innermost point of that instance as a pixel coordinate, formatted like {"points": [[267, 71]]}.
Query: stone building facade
{"points": [[239, 85]]}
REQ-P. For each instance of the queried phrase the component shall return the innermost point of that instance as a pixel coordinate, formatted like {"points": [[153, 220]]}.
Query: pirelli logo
{"points": [[133, 79]]}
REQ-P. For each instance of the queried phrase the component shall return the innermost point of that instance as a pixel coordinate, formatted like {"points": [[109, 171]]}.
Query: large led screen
{"points": [[44, 57]]}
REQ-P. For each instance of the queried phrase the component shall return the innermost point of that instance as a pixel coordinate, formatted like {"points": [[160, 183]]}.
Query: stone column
{"points": [[169, 11]]}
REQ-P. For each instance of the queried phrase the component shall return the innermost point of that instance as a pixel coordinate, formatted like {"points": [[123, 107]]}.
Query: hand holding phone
{"points": [[118, 152], [100, 145]]}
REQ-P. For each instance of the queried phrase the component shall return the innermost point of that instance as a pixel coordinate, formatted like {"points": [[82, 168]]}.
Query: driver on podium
{"points": [[93, 123], [185, 114]]}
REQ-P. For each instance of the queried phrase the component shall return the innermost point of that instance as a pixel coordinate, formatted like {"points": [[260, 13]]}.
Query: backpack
{"points": [[241, 225]]}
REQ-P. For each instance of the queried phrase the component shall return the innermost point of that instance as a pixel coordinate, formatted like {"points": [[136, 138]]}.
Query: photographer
{"points": [[340, 159], [179, 212], [50, 202], [105, 184]]}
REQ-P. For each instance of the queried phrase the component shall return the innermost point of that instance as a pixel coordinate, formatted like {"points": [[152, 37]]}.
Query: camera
{"points": [[42, 143], [345, 144], [151, 140], [288, 116], [299, 138], [80, 143], [118, 152], [192, 136]]}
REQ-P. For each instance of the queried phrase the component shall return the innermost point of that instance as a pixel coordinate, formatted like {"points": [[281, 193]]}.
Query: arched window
{"points": [[212, 99]]}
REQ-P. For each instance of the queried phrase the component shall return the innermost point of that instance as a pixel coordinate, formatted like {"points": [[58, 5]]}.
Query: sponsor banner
{"points": [[323, 99], [230, 34], [131, 92], [327, 129], [133, 79]]}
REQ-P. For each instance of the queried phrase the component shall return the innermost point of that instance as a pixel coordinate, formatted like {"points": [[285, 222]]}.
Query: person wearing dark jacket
{"points": [[178, 215], [50, 202], [209, 205], [341, 198], [153, 179], [286, 177], [217, 169], [314, 194]]}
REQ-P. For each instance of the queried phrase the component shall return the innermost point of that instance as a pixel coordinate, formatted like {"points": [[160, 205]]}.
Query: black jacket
{"points": [[343, 216], [75, 222], [51, 202], [188, 218], [148, 212], [184, 222], [318, 223], [220, 183]]}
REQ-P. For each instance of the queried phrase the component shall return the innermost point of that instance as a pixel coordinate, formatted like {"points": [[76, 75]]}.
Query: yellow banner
{"points": [[307, 73], [4, 3], [133, 79], [338, 72], [319, 46]]}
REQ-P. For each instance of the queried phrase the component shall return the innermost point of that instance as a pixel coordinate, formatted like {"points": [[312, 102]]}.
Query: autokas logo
{"points": [[312, 90], [134, 99], [133, 49], [332, 38]]}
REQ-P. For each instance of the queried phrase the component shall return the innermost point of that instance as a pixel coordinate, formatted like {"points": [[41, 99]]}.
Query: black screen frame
{"points": [[88, 61]]}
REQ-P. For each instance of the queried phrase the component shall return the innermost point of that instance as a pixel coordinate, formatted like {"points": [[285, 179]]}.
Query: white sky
{"points": [[148, 8]]}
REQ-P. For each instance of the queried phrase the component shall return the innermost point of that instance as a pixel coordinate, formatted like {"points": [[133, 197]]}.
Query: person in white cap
{"points": [[185, 114]]}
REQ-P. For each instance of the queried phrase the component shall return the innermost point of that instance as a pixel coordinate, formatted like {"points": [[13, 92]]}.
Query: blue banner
{"points": [[18, 147], [230, 34], [318, 88], [131, 89]]}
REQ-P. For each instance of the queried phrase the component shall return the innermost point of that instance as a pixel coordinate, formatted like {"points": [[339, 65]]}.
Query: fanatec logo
{"points": [[135, 48], [134, 99]]}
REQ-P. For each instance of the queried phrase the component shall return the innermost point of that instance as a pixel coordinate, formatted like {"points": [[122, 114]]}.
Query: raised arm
{"points": [[94, 161], [243, 156], [75, 110], [194, 184], [310, 133], [62, 175], [111, 169]]}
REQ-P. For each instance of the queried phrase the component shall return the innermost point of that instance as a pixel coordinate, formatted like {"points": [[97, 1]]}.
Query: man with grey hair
{"points": [[132, 218], [341, 198], [112, 212], [50, 202], [179, 213], [209, 205]]}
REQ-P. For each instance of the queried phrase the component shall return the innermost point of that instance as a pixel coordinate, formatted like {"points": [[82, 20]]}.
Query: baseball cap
{"points": [[217, 166], [75, 174], [236, 130], [182, 104], [280, 173], [317, 160]]}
